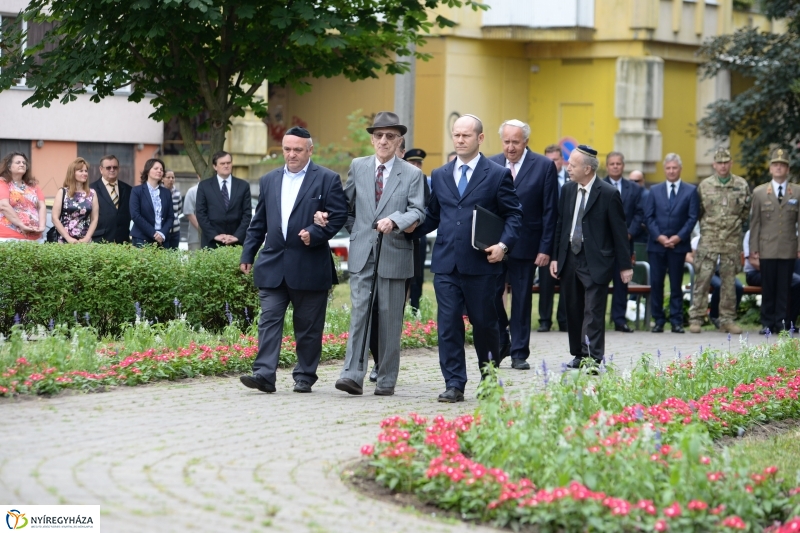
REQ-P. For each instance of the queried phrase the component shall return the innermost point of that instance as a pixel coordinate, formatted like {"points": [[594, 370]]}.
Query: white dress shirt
{"points": [[588, 188], [471, 164], [220, 179], [617, 184], [387, 168], [517, 165], [775, 186], [289, 188], [677, 188]]}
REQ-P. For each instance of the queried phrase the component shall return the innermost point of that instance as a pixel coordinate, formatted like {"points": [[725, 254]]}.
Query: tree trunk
{"points": [[201, 166]]}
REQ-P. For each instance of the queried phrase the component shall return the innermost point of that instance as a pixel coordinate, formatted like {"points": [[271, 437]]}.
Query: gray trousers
{"points": [[309, 322], [389, 295]]}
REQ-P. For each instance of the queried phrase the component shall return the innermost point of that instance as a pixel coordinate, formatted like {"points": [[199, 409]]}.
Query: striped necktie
{"points": [[114, 197]]}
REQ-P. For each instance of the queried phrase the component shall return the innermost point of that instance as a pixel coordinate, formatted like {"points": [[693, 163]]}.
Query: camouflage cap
{"points": [[779, 155], [722, 155]]}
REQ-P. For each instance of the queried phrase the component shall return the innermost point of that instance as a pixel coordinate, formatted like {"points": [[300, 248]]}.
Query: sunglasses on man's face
{"points": [[111, 168]]}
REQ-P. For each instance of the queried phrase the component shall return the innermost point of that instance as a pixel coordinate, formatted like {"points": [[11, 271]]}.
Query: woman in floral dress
{"points": [[75, 211], [23, 214]]}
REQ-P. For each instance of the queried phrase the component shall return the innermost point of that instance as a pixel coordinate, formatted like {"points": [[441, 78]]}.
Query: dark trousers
{"points": [[415, 287], [454, 291], [547, 292], [663, 263], [173, 240], [619, 299], [519, 274], [776, 283], [309, 322], [586, 307], [754, 280]]}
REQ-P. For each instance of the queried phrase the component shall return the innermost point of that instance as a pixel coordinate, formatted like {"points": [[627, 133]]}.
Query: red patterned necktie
{"points": [[379, 184]]}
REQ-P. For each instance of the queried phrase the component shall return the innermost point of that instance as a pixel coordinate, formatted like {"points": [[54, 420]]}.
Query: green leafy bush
{"points": [[102, 284]]}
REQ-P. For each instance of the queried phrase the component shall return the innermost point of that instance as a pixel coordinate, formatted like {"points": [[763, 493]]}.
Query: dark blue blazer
{"points": [[632, 205], [144, 216], [680, 220], [490, 187], [303, 267], [537, 189]]}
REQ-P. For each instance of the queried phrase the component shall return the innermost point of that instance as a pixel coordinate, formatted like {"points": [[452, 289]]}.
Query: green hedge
{"points": [[40, 283]]}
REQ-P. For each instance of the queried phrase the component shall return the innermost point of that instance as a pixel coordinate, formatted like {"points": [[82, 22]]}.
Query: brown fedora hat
{"points": [[387, 119]]}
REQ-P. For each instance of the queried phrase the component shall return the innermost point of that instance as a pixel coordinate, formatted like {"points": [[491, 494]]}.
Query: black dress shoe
{"points": [[623, 328], [302, 386], [373, 376], [257, 382], [349, 386], [574, 364], [451, 395], [388, 391], [520, 364], [562, 327], [659, 328], [678, 329], [544, 328]]}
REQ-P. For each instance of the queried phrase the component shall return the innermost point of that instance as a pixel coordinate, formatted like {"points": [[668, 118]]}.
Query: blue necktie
{"points": [[462, 183], [225, 198], [672, 196]]}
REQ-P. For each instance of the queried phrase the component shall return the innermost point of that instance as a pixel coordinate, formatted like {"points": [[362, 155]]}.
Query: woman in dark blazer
{"points": [[151, 206]]}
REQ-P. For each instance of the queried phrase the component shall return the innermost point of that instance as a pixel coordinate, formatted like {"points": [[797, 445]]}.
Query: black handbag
{"points": [[52, 233]]}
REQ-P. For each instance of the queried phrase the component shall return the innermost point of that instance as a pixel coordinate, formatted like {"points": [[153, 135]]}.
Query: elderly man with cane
{"points": [[385, 195]]}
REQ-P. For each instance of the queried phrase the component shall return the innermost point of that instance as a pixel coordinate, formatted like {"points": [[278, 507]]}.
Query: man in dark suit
{"points": [[536, 182], [465, 276], [637, 178], [223, 206], [113, 197], [547, 283], [631, 195], [671, 213], [591, 241], [295, 264]]}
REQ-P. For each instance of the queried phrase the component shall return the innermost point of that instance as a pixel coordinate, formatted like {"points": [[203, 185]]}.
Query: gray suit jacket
{"points": [[403, 201]]}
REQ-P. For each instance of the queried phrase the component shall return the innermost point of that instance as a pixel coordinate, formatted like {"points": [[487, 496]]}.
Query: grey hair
{"points": [[615, 154], [478, 123], [590, 161], [673, 158], [526, 129]]}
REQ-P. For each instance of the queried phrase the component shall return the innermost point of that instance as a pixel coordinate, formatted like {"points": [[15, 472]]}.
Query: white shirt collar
{"points": [[588, 186], [518, 164], [387, 167], [220, 179], [471, 163], [775, 186], [301, 172], [677, 186]]}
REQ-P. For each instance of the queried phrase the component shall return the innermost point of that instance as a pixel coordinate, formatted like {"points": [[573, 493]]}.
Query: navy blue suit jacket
{"points": [[144, 216], [679, 220], [632, 205], [490, 187], [303, 267], [537, 189]]}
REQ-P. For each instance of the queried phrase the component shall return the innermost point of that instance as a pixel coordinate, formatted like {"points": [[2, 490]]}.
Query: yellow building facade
{"points": [[615, 74]]}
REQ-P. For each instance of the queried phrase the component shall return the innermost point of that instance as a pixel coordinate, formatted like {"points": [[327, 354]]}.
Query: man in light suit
{"points": [[386, 192], [591, 242], [631, 195], [223, 207], [114, 198], [547, 283], [671, 212], [774, 240], [465, 276], [536, 183], [294, 266]]}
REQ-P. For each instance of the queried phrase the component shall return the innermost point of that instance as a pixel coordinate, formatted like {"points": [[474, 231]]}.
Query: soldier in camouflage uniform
{"points": [[724, 204]]}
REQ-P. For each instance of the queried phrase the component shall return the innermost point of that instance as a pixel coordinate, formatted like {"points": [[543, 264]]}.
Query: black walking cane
{"points": [[371, 297]]}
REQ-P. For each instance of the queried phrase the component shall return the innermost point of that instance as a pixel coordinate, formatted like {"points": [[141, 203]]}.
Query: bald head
{"points": [[467, 137], [637, 177]]}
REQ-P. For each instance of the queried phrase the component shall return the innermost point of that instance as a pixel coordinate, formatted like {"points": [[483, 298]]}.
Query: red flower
{"points": [[697, 505], [367, 449], [673, 510], [661, 525], [734, 522]]}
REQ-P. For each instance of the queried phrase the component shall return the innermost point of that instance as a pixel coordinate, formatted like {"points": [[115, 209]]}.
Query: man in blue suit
{"points": [[295, 265], [671, 212], [536, 182], [634, 216], [464, 276]]}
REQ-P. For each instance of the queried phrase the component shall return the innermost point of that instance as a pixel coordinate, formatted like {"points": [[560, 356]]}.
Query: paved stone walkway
{"points": [[209, 455]]}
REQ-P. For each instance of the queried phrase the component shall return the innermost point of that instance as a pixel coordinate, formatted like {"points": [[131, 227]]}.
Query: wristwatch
{"points": [[503, 247]]}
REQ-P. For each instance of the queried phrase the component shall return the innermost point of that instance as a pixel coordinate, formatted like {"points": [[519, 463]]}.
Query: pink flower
{"points": [[661, 525], [734, 522], [697, 505], [673, 510]]}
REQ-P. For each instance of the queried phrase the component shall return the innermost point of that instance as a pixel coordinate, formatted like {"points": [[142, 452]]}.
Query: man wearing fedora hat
{"points": [[724, 200], [774, 240], [381, 190]]}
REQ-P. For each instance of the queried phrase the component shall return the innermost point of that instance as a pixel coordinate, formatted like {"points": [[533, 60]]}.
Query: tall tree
{"points": [[208, 56], [768, 112]]}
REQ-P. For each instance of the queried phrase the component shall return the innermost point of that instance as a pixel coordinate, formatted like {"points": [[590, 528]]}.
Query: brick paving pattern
{"points": [[210, 455]]}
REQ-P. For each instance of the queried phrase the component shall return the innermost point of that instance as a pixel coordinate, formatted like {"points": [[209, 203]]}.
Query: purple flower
{"points": [[16, 319], [51, 325], [86, 317]]}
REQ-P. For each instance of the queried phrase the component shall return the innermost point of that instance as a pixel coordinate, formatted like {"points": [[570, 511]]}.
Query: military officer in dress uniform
{"points": [[724, 203], [774, 241]]}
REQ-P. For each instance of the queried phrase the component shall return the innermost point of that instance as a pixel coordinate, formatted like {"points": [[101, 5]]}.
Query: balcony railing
{"points": [[539, 13]]}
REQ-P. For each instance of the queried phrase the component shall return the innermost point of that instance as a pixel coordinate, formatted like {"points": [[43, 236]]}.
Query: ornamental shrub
{"points": [[101, 284]]}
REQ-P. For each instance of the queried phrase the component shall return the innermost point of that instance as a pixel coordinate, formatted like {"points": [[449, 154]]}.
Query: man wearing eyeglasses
{"points": [[381, 189], [113, 196]]}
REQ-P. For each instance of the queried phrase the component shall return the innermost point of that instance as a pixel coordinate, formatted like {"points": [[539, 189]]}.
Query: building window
{"points": [[9, 23]]}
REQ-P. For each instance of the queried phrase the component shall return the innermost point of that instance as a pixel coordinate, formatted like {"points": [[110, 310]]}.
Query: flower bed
{"points": [[74, 359], [618, 453]]}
